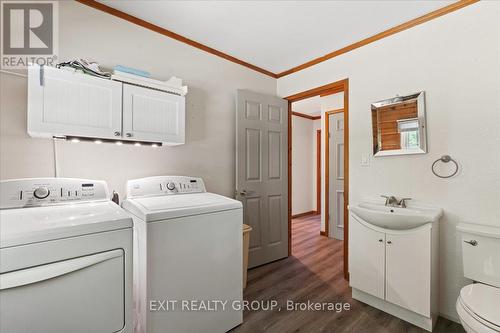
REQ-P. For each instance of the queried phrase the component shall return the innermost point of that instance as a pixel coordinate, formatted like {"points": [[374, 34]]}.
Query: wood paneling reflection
{"points": [[385, 123]]}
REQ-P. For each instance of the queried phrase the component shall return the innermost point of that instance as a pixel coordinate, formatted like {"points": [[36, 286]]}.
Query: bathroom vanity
{"points": [[393, 260]]}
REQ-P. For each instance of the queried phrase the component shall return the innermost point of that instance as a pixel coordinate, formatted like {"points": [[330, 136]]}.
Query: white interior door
{"points": [[336, 165], [262, 173]]}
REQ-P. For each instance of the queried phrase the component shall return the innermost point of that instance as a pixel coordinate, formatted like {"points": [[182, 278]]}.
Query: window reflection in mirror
{"points": [[399, 125]]}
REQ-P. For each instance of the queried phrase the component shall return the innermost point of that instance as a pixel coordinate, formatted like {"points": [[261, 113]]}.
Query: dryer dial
{"points": [[41, 192]]}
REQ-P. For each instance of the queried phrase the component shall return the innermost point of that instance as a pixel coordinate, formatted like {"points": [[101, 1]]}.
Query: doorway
{"points": [[323, 91], [306, 169]]}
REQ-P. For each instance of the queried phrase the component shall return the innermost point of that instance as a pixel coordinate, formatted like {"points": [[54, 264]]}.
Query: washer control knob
{"points": [[170, 186], [41, 192]]}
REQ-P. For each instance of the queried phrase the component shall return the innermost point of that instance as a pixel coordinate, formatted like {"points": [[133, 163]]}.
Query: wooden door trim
{"points": [[335, 111], [335, 87], [307, 116], [318, 171], [325, 90]]}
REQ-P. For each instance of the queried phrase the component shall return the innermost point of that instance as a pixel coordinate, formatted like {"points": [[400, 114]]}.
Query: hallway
{"points": [[314, 273]]}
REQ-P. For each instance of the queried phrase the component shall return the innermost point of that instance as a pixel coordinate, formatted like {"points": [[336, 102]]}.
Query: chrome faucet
{"points": [[392, 201]]}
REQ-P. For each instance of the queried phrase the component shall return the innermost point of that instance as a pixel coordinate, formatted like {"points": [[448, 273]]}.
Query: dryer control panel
{"points": [[30, 192], [164, 185]]}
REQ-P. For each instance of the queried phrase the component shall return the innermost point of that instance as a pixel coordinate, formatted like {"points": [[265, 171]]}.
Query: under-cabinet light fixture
{"points": [[77, 139]]}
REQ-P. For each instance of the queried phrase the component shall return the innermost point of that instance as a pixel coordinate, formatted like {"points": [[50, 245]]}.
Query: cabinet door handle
{"points": [[380, 240], [117, 133], [471, 242], [389, 242], [129, 135]]}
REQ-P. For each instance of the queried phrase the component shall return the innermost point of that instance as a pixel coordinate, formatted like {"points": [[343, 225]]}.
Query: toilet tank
{"points": [[481, 252]]}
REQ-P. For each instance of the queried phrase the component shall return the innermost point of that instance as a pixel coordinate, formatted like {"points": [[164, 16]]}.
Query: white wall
{"points": [[302, 165], [456, 60], [304, 152], [316, 126], [210, 149]]}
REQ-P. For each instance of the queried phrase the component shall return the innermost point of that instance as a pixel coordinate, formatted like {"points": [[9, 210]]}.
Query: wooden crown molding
{"points": [[135, 20], [389, 32], [307, 116]]}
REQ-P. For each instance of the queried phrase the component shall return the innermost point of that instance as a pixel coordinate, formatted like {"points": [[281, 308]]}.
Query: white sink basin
{"points": [[395, 218]]}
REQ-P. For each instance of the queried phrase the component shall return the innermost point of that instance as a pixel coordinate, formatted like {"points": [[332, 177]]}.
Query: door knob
{"points": [[245, 192], [117, 133], [471, 242]]}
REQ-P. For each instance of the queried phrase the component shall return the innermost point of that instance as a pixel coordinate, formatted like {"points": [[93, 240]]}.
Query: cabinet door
{"points": [[366, 258], [151, 115], [62, 102], [408, 270]]}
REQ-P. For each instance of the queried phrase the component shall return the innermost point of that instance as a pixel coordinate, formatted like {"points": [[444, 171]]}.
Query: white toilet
{"points": [[478, 305]]}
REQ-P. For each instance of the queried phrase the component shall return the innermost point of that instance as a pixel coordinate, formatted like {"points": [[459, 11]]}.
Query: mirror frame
{"points": [[422, 126]]}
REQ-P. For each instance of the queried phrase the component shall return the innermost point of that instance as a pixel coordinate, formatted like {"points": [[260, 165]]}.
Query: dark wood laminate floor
{"points": [[314, 273]]}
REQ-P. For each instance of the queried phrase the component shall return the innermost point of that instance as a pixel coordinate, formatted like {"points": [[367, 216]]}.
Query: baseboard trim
{"points": [[312, 212]]}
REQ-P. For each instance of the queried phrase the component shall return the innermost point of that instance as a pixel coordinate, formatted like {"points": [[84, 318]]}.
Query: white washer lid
{"points": [[483, 300], [37, 224], [165, 207]]}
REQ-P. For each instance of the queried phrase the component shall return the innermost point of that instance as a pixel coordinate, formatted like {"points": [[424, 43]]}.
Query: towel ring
{"points": [[445, 159]]}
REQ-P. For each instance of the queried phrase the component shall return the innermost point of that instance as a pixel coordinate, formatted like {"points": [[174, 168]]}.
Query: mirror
{"points": [[399, 125]]}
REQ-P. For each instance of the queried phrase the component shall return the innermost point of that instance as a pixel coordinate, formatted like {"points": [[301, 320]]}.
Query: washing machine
{"points": [[65, 258], [187, 256]]}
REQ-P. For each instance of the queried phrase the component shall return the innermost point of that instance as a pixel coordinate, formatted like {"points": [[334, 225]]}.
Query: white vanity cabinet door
{"points": [[408, 270], [151, 115], [62, 102], [366, 258]]}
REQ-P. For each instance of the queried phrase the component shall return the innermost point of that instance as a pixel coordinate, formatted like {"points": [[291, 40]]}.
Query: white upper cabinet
{"points": [[66, 103], [62, 102], [150, 115]]}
